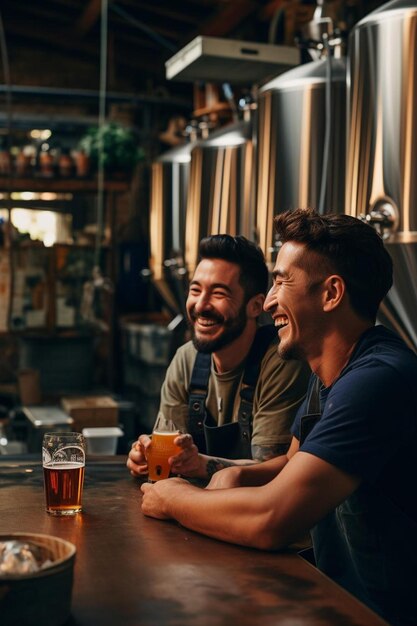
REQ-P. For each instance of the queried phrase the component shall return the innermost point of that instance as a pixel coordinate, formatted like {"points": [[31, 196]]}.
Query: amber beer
{"points": [[64, 488], [63, 460], [157, 454]]}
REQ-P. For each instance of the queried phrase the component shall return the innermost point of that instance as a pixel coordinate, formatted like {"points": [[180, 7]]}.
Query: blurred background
{"points": [[131, 129]]}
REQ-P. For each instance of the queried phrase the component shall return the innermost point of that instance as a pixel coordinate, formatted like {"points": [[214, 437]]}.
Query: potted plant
{"points": [[120, 150]]}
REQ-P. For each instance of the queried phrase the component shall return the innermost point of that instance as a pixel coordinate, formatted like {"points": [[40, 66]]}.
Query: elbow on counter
{"points": [[270, 536], [269, 542]]}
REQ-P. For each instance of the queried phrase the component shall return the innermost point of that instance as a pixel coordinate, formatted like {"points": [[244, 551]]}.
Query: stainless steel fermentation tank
{"points": [[221, 187], [382, 148], [169, 187], [291, 144], [221, 194]]}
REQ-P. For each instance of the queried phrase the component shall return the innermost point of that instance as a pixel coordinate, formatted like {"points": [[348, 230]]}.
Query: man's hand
{"points": [[227, 478], [156, 497], [188, 461], [136, 461]]}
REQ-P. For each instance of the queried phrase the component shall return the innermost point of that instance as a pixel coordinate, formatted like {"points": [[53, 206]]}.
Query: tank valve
{"points": [[145, 274], [176, 267], [383, 217]]}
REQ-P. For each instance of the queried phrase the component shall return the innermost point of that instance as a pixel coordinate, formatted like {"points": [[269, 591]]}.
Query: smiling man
{"points": [[350, 472], [227, 388]]}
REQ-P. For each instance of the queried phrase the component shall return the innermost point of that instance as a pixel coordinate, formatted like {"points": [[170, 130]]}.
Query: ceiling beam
{"points": [[169, 33], [34, 14], [269, 10], [63, 42], [226, 19], [58, 38], [89, 17], [179, 15]]}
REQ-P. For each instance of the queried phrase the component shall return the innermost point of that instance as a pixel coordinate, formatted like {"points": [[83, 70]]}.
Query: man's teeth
{"points": [[203, 321], [281, 321]]}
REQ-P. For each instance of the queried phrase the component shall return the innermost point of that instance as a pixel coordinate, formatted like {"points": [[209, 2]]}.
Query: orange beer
{"points": [[63, 488], [157, 454]]}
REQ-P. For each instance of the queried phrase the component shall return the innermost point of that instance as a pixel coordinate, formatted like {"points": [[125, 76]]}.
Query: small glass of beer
{"points": [[63, 458], [161, 448]]}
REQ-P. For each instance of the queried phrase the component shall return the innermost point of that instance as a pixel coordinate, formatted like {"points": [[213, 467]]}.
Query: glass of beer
{"points": [[63, 458], [161, 448]]}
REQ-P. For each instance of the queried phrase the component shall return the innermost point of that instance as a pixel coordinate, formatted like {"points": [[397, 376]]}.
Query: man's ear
{"points": [[255, 305], [334, 290]]}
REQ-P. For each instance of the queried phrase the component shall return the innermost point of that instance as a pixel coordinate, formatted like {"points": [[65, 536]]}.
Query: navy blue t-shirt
{"points": [[368, 428]]}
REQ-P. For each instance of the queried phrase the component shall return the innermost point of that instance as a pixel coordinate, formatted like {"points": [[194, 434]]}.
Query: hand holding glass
{"points": [[63, 458], [161, 448]]}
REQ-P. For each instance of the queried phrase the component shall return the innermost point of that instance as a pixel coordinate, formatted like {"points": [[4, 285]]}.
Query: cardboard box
{"points": [[91, 411], [29, 385]]}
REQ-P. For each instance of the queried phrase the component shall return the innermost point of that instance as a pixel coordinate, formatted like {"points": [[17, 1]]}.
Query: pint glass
{"points": [[161, 448], [63, 457]]}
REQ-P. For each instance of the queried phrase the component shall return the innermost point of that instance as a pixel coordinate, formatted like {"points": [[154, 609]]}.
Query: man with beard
{"points": [[350, 472], [228, 389]]}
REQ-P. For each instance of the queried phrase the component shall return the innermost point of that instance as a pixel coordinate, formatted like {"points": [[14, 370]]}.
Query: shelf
{"points": [[29, 244], [60, 185], [64, 332], [52, 289]]}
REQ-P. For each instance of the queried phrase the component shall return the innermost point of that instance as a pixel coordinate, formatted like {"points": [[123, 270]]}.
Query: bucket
{"points": [[43, 597]]}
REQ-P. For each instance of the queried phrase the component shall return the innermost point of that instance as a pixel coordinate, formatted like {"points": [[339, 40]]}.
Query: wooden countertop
{"points": [[134, 571]]}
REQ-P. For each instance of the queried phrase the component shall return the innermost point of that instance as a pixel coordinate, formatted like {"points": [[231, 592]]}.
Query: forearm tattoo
{"points": [[264, 453], [215, 465], [259, 454]]}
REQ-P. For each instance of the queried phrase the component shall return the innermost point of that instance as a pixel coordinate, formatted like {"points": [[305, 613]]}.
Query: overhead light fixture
{"points": [[42, 134], [229, 60]]}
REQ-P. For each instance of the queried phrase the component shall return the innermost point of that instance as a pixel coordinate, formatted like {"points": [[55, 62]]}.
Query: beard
{"points": [[232, 329], [290, 353]]}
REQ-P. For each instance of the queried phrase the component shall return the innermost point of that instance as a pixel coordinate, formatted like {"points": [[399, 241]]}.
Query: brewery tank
{"points": [[169, 185], [292, 125], [221, 184], [381, 182]]}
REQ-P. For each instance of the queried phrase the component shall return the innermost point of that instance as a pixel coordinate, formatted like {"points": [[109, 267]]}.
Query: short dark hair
{"points": [[352, 249], [246, 254]]}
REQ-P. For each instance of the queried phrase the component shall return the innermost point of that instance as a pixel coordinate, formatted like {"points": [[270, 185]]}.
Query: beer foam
{"points": [[63, 466], [164, 433]]}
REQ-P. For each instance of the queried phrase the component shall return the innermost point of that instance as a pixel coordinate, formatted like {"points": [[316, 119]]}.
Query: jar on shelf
{"points": [[65, 164], [46, 163], [23, 163], [5, 162], [82, 164]]}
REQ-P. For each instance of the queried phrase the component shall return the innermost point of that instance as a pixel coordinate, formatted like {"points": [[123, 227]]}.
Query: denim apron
{"points": [[231, 440]]}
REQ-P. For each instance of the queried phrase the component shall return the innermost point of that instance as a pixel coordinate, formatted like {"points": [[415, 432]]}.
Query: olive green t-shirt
{"points": [[280, 389]]}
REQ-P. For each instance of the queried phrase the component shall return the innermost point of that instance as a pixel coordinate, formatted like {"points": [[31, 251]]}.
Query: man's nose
{"points": [[270, 300], [202, 303]]}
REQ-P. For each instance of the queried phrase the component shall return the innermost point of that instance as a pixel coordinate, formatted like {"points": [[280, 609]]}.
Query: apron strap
{"points": [[197, 399], [313, 414], [314, 399], [263, 338]]}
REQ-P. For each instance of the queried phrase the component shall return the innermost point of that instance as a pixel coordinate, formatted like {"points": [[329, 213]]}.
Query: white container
{"points": [[102, 440]]}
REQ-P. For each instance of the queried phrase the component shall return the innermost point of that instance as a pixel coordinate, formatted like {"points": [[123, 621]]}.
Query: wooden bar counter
{"points": [[134, 571]]}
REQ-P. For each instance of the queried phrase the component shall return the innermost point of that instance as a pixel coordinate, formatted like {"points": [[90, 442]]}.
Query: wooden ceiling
{"points": [[142, 34]]}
